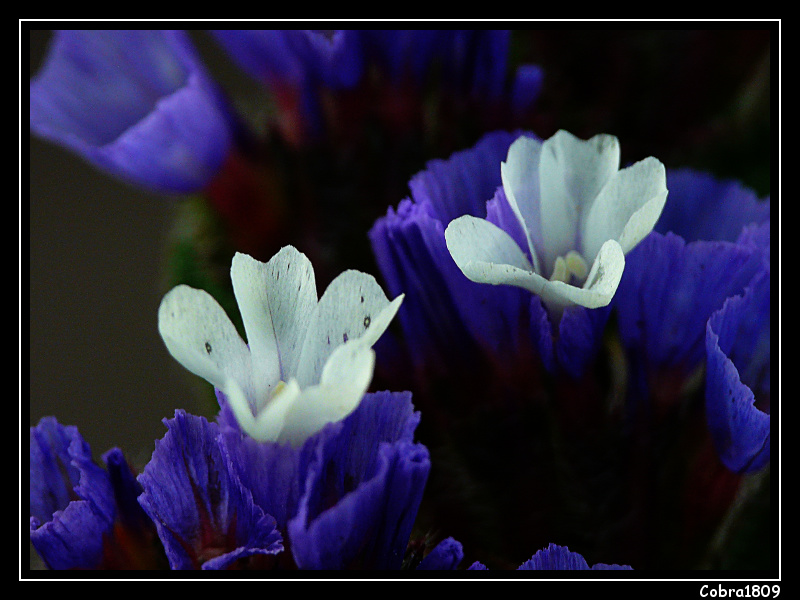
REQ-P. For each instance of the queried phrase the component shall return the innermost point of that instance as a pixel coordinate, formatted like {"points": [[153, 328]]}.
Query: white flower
{"points": [[307, 362], [576, 207]]}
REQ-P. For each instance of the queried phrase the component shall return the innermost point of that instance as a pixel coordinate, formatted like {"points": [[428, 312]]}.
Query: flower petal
{"points": [[520, 175], [250, 280], [362, 488], [487, 254], [267, 424], [138, 104], [737, 381], [627, 208], [205, 517], [201, 337], [345, 312], [601, 283], [276, 300], [344, 381], [571, 174]]}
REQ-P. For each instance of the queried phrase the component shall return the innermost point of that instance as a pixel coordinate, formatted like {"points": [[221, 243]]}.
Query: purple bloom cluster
{"points": [[218, 500], [678, 314]]}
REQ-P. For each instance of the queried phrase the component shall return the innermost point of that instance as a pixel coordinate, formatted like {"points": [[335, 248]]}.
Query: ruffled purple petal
{"points": [[702, 207], [137, 104], [737, 378], [669, 290], [71, 498], [412, 256], [205, 517], [444, 312], [363, 490], [560, 558]]}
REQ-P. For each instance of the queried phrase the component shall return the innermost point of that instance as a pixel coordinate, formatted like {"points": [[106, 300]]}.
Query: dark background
{"points": [[96, 272]]}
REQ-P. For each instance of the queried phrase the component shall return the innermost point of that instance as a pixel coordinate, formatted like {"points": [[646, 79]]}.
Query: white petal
{"points": [[571, 172], [268, 424], [251, 279], [200, 336], [627, 208], [601, 283], [473, 242], [487, 254], [343, 383], [520, 176], [292, 297], [345, 312], [380, 323]]}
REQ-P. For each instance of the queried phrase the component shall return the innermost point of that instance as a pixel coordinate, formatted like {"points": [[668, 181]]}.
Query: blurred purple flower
{"points": [[137, 104]]}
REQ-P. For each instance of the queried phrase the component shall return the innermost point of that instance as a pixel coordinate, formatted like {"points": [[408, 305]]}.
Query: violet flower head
{"points": [[488, 221], [205, 517], [623, 362], [84, 516], [137, 104], [685, 271], [363, 488]]}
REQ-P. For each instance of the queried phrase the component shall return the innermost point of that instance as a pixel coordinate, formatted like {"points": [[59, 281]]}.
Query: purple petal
{"points": [[560, 558], [72, 502], [737, 379], [555, 557], [702, 207], [669, 290], [363, 491], [137, 104], [205, 517]]}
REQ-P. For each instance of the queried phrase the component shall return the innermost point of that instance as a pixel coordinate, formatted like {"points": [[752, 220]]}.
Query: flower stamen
{"points": [[571, 265]]}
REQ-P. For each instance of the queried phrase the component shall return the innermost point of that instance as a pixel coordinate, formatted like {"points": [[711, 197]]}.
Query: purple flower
{"points": [[348, 497], [205, 517], [668, 292], [621, 392], [411, 251], [137, 104], [716, 242], [84, 516]]}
